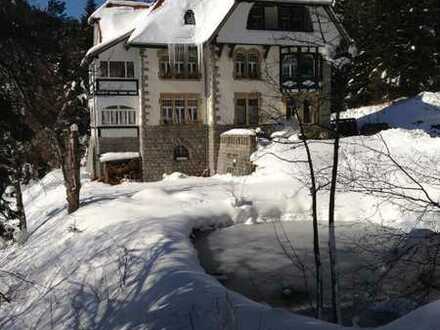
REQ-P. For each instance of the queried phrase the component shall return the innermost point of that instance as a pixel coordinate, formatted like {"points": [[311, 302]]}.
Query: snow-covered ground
{"points": [[125, 259], [420, 112]]}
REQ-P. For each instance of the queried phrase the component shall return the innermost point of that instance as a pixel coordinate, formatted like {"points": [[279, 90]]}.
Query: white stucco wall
{"points": [[157, 86], [267, 87]]}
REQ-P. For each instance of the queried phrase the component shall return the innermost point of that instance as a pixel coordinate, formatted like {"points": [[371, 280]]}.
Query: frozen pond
{"points": [[261, 263]]}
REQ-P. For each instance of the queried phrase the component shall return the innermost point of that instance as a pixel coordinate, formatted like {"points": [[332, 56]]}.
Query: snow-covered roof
{"points": [[117, 19], [162, 22]]}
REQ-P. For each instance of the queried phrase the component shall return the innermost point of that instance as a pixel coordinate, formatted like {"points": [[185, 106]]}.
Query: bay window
{"points": [[118, 115], [299, 71], [116, 69]]}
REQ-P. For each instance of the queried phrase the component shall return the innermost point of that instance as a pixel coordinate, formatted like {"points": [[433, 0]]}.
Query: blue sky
{"points": [[74, 7]]}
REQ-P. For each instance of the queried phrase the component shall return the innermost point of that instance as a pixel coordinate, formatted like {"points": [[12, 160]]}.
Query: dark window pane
{"points": [[307, 113], [240, 112], [240, 61], [103, 69], [130, 70], [117, 69], [256, 17], [253, 63], [307, 67], [181, 153], [285, 18], [289, 67], [190, 18], [253, 111], [290, 109], [271, 17]]}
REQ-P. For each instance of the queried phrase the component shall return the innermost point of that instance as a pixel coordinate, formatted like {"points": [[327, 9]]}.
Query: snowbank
{"points": [[240, 131], [420, 112], [113, 156], [125, 260]]}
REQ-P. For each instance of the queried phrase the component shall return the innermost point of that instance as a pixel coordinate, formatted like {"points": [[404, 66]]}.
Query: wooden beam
{"points": [[266, 51], [231, 49]]}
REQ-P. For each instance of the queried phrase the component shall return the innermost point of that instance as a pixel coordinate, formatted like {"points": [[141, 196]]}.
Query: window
{"points": [[193, 62], [240, 65], [179, 106], [247, 109], [299, 70], [253, 67], [103, 69], [290, 109], [307, 112], [307, 68], [179, 109], [190, 18], [256, 17], [192, 109], [289, 67], [182, 62], [167, 111], [181, 153], [282, 17], [179, 61], [247, 64], [164, 66], [118, 115], [116, 69]]}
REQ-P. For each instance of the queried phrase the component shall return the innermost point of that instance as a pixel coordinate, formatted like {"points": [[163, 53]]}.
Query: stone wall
{"points": [[122, 144], [234, 154], [159, 147]]}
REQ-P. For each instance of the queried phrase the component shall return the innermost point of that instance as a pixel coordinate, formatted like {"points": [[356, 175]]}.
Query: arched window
{"points": [[240, 65], [247, 64], [190, 18], [118, 115], [181, 153]]}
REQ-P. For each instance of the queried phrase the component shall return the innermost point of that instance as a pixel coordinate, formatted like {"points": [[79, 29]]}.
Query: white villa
{"points": [[168, 77]]}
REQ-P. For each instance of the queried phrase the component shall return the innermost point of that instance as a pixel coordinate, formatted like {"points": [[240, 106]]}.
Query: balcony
{"points": [[110, 87]]}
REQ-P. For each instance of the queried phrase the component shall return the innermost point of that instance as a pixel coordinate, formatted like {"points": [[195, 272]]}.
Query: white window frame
{"points": [[118, 115], [108, 75]]}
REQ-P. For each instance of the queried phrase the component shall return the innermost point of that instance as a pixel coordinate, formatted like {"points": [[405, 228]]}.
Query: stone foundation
{"points": [[122, 144], [159, 151]]}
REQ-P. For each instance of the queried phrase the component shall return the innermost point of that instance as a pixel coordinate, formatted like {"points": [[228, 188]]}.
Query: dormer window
{"points": [[280, 17], [190, 19]]}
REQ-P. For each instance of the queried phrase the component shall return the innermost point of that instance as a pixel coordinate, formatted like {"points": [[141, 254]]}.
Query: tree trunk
{"points": [[72, 170], [316, 248], [334, 274], [21, 214]]}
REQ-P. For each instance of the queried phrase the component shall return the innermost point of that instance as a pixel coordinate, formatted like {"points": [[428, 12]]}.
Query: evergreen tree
{"points": [[56, 8], [89, 9], [398, 46]]}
